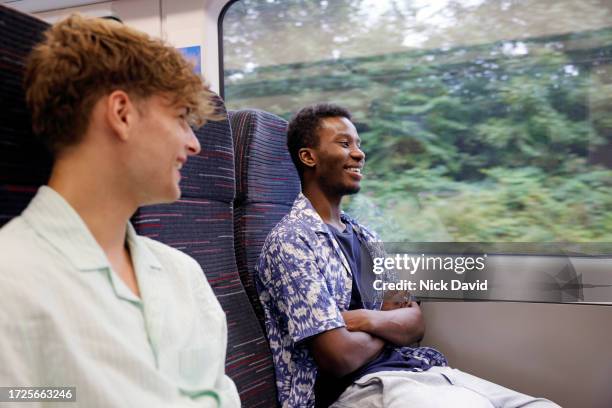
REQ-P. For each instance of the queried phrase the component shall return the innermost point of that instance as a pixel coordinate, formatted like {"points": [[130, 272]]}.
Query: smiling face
{"points": [[338, 157], [163, 140]]}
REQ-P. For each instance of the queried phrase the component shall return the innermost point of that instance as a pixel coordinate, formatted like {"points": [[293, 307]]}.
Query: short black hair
{"points": [[303, 128]]}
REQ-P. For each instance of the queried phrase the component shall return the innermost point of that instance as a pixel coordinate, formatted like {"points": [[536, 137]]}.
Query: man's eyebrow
{"points": [[341, 135]]}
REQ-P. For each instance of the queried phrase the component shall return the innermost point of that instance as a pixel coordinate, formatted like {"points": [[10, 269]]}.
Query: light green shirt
{"points": [[67, 319]]}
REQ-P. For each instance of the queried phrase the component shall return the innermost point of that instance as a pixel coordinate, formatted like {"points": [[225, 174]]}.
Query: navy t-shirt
{"points": [[327, 388]]}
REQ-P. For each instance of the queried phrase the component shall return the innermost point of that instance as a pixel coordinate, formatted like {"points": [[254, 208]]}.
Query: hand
{"points": [[392, 304], [396, 299], [356, 320]]}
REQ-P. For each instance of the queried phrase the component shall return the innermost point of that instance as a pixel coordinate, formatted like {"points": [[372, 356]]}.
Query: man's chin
{"points": [[168, 198], [350, 190], [339, 188], [176, 196]]}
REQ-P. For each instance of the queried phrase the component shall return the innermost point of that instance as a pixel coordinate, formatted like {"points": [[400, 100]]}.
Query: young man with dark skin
{"points": [[333, 342], [84, 301]]}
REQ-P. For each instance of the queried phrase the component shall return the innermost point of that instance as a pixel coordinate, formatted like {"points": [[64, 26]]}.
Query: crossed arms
{"points": [[289, 270], [343, 350]]}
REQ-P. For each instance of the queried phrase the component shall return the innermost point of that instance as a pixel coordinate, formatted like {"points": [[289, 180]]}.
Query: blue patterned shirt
{"points": [[304, 283]]}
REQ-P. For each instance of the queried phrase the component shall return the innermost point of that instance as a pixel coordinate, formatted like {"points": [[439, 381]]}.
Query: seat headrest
{"points": [[210, 174], [265, 172]]}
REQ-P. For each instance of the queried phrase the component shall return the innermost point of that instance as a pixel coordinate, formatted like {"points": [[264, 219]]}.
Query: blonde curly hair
{"points": [[82, 59]]}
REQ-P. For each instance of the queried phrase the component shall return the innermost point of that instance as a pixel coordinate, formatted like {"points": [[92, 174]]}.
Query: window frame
{"points": [[224, 10], [541, 258]]}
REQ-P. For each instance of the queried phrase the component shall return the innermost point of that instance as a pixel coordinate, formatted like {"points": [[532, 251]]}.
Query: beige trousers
{"points": [[434, 388]]}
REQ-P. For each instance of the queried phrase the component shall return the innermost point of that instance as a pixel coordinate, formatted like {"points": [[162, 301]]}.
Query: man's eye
{"points": [[344, 144]]}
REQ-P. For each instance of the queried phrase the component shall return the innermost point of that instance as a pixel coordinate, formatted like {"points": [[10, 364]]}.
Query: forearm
{"points": [[402, 326], [341, 352], [363, 348]]}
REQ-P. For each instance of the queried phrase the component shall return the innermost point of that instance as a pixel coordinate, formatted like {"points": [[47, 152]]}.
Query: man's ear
{"points": [[121, 113], [307, 156]]}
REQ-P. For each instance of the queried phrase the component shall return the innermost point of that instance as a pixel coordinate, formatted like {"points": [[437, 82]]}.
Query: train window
{"points": [[482, 120]]}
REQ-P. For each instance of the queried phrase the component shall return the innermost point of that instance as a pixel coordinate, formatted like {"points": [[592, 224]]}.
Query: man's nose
{"points": [[358, 154], [193, 145]]}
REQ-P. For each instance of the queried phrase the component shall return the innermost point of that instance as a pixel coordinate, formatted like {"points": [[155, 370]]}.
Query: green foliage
{"points": [[509, 205], [468, 143]]}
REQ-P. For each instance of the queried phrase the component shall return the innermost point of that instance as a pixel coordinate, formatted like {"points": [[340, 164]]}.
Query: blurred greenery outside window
{"points": [[482, 120]]}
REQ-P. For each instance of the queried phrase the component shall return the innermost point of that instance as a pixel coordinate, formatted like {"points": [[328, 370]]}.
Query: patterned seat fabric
{"points": [[266, 186], [200, 224], [25, 163]]}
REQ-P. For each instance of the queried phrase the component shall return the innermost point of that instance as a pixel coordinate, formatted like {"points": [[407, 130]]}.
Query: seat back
{"points": [[25, 163], [201, 224], [266, 186]]}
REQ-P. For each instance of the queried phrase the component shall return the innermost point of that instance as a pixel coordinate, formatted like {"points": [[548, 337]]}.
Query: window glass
{"points": [[482, 120]]}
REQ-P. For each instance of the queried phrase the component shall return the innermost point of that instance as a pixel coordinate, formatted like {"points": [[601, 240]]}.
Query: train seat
{"points": [[201, 224], [266, 186], [25, 163]]}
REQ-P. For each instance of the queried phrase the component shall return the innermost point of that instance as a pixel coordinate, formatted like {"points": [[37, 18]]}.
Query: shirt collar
{"points": [[304, 211], [140, 253], [53, 218]]}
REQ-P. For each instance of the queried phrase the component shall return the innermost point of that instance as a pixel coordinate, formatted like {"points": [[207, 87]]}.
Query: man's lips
{"points": [[355, 172], [178, 166]]}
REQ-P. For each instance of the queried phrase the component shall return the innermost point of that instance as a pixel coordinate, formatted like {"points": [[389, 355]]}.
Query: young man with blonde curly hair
{"points": [[84, 300]]}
